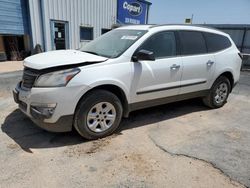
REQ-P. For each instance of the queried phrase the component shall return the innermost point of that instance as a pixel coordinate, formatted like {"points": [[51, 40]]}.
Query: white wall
{"points": [[92, 13], [35, 22]]}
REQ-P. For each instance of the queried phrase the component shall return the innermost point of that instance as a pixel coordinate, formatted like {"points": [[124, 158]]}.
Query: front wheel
{"points": [[98, 114], [218, 94]]}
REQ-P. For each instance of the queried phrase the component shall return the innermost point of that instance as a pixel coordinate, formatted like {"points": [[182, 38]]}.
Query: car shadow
{"points": [[24, 132]]}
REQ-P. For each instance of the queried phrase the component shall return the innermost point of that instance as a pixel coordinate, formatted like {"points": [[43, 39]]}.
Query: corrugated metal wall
{"points": [[13, 17], [92, 13], [36, 22]]}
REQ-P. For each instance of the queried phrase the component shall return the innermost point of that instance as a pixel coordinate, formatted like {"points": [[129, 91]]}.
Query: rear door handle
{"points": [[210, 63], [174, 67]]}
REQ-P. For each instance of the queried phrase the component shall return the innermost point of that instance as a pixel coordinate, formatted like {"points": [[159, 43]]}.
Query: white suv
{"points": [[127, 69]]}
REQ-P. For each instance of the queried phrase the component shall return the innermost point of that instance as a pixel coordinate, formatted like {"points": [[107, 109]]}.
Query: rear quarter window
{"points": [[216, 42]]}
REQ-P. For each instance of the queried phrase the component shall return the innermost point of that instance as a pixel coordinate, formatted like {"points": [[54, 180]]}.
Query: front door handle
{"points": [[174, 67], [210, 63]]}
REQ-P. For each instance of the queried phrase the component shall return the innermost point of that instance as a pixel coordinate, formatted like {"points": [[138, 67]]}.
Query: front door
{"points": [[59, 35], [159, 78]]}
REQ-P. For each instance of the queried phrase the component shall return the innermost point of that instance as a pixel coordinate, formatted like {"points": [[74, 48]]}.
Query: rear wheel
{"points": [[98, 114], [218, 94]]}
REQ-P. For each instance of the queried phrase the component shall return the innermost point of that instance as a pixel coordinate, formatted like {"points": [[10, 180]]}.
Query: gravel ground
{"points": [[176, 145], [10, 66]]}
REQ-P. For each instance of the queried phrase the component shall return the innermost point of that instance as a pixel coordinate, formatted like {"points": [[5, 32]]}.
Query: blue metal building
{"points": [[14, 17], [14, 28]]}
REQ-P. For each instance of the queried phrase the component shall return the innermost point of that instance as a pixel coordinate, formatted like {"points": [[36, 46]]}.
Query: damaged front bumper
{"points": [[45, 108]]}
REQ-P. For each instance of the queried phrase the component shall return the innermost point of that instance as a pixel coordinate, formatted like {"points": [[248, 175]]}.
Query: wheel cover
{"points": [[221, 93], [101, 117]]}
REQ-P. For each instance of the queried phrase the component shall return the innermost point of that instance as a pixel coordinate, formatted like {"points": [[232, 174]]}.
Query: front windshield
{"points": [[113, 43]]}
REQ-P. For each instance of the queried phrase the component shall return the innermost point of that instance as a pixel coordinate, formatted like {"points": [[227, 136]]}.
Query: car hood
{"points": [[61, 58]]}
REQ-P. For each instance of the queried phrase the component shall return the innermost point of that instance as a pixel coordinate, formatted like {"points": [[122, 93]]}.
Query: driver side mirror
{"points": [[143, 55]]}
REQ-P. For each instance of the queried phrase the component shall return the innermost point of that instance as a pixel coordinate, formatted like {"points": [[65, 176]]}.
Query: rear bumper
{"points": [[234, 85]]}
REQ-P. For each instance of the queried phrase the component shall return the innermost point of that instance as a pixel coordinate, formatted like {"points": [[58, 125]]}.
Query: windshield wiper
{"points": [[90, 52]]}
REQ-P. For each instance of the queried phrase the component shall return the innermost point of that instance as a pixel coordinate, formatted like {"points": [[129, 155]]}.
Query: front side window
{"points": [[162, 44], [216, 42], [113, 43], [192, 43], [86, 33]]}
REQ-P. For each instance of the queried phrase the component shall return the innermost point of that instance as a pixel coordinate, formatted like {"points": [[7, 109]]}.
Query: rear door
{"points": [[198, 65]]}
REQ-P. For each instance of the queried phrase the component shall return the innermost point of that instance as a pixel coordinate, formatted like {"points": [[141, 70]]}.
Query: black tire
{"points": [[210, 100], [84, 107]]}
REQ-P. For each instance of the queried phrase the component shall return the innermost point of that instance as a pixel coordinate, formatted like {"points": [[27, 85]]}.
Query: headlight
{"points": [[57, 78]]}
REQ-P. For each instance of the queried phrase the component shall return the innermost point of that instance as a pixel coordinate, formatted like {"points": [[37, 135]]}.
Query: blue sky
{"points": [[204, 11]]}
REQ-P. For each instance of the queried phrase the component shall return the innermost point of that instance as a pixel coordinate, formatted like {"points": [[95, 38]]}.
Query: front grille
{"points": [[29, 77]]}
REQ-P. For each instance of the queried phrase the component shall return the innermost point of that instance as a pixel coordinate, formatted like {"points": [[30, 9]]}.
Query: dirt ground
{"points": [[166, 146], [10, 66]]}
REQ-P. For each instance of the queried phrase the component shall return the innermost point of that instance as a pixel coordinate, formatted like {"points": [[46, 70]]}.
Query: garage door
{"points": [[13, 17]]}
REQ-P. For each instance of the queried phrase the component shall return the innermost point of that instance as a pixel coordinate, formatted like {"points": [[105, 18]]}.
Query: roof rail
{"points": [[193, 25]]}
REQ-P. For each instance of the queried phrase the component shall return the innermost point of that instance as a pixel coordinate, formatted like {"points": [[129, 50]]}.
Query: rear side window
{"points": [[162, 44], [216, 42], [192, 43]]}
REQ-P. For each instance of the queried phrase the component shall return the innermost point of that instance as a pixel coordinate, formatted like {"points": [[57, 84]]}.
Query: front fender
{"points": [[107, 81]]}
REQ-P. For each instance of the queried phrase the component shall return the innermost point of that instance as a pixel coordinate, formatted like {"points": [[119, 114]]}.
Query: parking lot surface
{"points": [[182, 144]]}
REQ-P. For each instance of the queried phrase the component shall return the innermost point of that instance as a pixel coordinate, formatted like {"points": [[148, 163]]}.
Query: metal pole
{"points": [[243, 39]]}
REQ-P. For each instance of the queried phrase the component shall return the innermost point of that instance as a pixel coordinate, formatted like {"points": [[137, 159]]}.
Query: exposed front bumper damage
{"points": [[50, 108], [63, 124]]}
